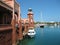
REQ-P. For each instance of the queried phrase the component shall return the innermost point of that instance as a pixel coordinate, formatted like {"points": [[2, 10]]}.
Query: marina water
{"points": [[49, 35]]}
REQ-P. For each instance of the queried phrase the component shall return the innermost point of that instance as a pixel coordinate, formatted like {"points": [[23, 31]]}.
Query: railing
{"points": [[5, 27]]}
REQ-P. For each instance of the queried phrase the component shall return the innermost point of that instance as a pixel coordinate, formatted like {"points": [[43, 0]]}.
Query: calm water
{"points": [[48, 35]]}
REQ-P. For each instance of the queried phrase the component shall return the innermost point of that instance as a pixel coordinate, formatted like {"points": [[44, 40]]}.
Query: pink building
{"points": [[27, 22], [9, 17]]}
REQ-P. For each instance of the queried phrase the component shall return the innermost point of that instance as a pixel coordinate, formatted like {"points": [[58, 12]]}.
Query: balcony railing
{"points": [[5, 27]]}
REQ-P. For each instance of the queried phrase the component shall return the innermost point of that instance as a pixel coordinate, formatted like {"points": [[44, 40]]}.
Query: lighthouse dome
{"points": [[30, 9]]}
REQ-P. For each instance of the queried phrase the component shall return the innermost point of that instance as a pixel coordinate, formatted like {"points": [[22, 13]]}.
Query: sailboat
{"points": [[41, 25]]}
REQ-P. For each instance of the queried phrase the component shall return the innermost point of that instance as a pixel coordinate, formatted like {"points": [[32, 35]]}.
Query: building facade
{"points": [[10, 17], [28, 22]]}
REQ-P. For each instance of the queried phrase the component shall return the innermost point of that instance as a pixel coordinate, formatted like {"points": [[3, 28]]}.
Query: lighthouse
{"points": [[30, 17]]}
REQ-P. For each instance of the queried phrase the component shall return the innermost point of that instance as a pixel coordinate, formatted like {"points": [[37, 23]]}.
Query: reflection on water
{"points": [[44, 36], [51, 26], [41, 32]]}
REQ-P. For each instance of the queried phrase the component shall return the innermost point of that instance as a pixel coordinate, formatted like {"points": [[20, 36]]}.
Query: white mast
{"points": [[41, 17]]}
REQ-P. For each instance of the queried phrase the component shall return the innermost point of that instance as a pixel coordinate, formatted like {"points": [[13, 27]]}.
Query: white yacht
{"points": [[42, 25], [31, 32]]}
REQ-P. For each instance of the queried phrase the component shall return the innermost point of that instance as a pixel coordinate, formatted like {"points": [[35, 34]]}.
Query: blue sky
{"points": [[50, 9]]}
